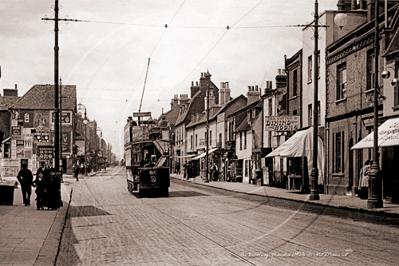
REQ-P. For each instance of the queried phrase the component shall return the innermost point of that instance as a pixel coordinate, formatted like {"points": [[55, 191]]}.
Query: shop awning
{"points": [[204, 154], [388, 135], [186, 156], [301, 144], [293, 145]]}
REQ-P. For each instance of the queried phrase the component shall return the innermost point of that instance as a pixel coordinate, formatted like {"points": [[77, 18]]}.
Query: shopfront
{"points": [[294, 158], [388, 141]]}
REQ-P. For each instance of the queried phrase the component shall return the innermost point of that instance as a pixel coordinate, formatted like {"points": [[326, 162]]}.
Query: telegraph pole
{"points": [[56, 99], [56, 19], [314, 193]]}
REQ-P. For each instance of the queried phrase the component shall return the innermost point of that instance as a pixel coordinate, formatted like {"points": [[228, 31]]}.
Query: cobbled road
{"points": [[199, 225]]}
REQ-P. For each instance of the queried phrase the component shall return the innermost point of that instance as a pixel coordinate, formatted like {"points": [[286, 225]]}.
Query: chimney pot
{"points": [[256, 87], [16, 86]]}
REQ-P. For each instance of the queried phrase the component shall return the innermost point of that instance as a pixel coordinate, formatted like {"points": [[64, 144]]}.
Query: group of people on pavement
{"points": [[25, 178]]}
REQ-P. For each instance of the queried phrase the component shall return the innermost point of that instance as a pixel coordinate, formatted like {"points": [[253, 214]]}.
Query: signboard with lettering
{"points": [[140, 133], [388, 135], [41, 138], [282, 123], [66, 142], [142, 114], [41, 120], [66, 117], [16, 131], [45, 153]]}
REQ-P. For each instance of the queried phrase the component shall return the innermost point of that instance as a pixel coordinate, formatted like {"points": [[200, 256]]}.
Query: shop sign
{"points": [[66, 117], [20, 142], [41, 138], [41, 123], [16, 131], [282, 123], [45, 153], [140, 133], [66, 143]]}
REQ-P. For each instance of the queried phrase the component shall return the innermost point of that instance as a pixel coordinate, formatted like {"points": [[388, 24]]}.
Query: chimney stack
{"points": [[175, 102], [252, 95], [10, 92], [221, 92], [183, 99]]}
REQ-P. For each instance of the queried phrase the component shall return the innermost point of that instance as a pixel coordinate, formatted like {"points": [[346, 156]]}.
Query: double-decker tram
{"points": [[147, 155]]}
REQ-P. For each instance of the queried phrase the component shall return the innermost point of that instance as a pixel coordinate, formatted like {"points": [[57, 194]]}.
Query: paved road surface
{"points": [[198, 225]]}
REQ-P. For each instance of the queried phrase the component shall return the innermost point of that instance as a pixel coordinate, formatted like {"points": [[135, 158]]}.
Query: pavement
{"points": [[29, 236], [32, 237], [352, 203]]}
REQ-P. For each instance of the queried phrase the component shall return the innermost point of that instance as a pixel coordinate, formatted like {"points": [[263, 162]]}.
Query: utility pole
{"points": [[314, 193], [56, 19], [56, 100]]}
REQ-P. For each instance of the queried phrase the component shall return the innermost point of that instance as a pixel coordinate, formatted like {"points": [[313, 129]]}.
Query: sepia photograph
{"points": [[187, 132]]}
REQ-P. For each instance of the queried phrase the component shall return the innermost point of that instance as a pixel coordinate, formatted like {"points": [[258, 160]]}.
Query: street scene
{"points": [[199, 132]]}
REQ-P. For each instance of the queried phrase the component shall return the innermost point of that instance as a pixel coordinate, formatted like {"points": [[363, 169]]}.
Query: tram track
{"points": [[237, 255]]}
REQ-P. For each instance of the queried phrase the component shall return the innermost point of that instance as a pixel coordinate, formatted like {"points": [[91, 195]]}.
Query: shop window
{"points": [[318, 113], [309, 69], [341, 82], [295, 83], [241, 140], [245, 140], [338, 152], [396, 88], [370, 69]]}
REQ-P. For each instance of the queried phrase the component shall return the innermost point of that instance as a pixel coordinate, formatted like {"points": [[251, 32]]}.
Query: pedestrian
{"points": [[40, 185], [178, 168], [25, 178], [76, 171], [185, 170], [364, 180], [215, 172], [189, 170]]}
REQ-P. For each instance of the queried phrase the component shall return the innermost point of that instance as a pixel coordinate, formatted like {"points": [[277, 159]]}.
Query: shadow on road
{"points": [[81, 211]]}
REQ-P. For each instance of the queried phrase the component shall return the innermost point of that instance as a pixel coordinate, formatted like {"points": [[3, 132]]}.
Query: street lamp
{"points": [[375, 181], [99, 134], [81, 106]]}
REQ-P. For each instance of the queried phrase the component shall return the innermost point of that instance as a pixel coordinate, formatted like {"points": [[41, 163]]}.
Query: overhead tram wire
{"points": [[227, 29], [148, 65]]}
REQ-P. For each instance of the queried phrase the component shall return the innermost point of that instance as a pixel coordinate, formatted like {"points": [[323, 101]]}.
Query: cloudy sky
{"points": [[106, 55]]}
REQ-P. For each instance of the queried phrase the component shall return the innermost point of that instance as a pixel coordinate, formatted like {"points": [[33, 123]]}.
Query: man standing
{"points": [[25, 178]]}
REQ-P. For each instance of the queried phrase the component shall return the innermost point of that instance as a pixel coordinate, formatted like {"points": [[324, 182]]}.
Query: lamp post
{"points": [[314, 193], [81, 106], [99, 134], [375, 181], [375, 184]]}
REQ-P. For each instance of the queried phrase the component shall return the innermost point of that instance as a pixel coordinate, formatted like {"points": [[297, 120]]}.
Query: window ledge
{"points": [[340, 100], [294, 97], [309, 81], [395, 108], [338, 175], [369, 91]]}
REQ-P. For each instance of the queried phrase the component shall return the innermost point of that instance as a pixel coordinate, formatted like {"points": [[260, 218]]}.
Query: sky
{"points": [[107, 53]]}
